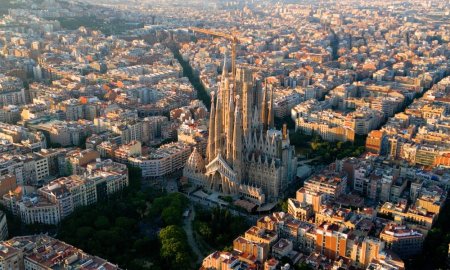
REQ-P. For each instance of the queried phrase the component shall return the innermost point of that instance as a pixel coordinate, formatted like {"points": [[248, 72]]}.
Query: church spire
{"points": [[255, 118], [210, 148], [270, 114], [229, 128], [225, 88], [224, 68], [237, 141], [218, 125], [264, 107]]}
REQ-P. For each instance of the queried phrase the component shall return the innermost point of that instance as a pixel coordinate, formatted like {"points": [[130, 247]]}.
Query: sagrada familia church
{"points": [[245, 156]]}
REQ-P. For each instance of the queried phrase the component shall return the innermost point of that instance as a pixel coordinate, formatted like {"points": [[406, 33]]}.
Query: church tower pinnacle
{"points": [[264, 108], [210, 149], [229, 128], [218, 125], [225, 88], [270, 114], [237, 141]]}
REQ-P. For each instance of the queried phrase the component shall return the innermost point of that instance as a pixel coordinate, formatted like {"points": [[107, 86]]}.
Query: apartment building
{"points": [[12, 91], [9, 114], [59, 198], [40, 252], [162, 161], [331, 183], [69, 193], [404, 241]]}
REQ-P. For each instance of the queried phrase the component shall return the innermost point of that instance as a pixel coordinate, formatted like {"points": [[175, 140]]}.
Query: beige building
{"points": [[300, 210], [12, 91], [243, 147], [162, 161], [59, 198], [72, 109], [403, 241], [78, 160], [329, 182], [413, 215], [311, 197], [258, 251], [220, 260], [131, 149], [38, 252], [107, 173], [261, 235], [9, 114], [65, 133], [37, 209], [328, 131], [362, 252], [10, 257], [69, 193]]}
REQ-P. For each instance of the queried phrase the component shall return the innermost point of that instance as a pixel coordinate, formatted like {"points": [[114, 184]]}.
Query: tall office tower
{"points": [[246, 155]]}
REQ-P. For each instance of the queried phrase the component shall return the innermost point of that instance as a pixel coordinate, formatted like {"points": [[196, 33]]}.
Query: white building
{"points": [[164, 160]]}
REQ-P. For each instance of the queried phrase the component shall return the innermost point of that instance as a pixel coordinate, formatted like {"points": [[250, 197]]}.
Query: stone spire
{"points": [[229, 128], [225, 101], [218, 126], [237, 141], [255, 118], [195, 162], [225, 88], [210, 150], [224, 69], [270, 114], [264, 108]]}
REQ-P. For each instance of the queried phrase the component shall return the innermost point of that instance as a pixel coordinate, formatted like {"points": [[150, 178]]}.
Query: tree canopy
{"points": [[218, 227]]}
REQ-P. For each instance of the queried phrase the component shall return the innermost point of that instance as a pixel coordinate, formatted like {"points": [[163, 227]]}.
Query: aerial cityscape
{"points": [[224, 134]]}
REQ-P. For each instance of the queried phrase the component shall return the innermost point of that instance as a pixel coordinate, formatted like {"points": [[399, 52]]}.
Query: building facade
{"points": [[244, 148]]}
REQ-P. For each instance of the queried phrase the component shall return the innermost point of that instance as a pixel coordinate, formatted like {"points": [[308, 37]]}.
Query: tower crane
{"points": [[231, 37]]}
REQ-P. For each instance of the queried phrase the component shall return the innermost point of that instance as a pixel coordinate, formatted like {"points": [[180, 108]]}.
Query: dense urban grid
{"points": [[224, 134]]}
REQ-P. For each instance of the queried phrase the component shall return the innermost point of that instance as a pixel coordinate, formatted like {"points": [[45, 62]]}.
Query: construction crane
{"points": [[231, 37]]}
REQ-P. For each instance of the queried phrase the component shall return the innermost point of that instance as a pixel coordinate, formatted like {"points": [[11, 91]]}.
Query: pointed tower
{"points": [[210, 149], [218, 126], [264, 108], [237, 141], [255, 118], [247, 98], [270, 113], [229, 129], [195, 163], [225, 88]]}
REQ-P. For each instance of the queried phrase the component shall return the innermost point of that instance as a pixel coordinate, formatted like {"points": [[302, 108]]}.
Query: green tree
{"points": [[204, 230], [125, 223], [84, 232], [102, 222], [173, 245], [171, 232], [171, 216], [221, 227], [110, 229]]}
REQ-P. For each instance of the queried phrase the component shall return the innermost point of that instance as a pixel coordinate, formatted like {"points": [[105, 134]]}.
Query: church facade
{"points": [[246, 156]]}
